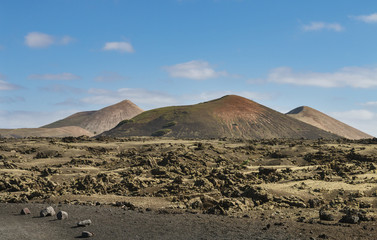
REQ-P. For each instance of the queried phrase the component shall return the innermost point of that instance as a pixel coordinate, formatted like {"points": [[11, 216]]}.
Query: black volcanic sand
{"points": [[116, 223]]}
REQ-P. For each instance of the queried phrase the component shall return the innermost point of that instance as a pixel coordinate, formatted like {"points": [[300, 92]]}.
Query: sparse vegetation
{"points": [[125, 122], [161, 132], [213, 176], [170, 124]]}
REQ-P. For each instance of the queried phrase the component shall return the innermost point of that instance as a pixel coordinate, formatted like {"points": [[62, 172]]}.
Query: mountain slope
{"points": [[229, 116], [327, 123], [71, 131], [101, 120]]}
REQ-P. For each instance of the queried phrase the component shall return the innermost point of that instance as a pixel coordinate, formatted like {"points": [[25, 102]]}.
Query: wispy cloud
{"points": [[318, 26], [43, 40], [109, 77], [30, 119], [119, 46], [372, 18], [60, 76], [71, 102], [371, 104], [196, 70], [138, 96], [7, 99], [58, 88], [4, 85], [210, 95], [66, 40], [356, 77]]}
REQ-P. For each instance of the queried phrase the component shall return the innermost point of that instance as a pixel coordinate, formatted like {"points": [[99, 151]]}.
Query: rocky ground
{"points": [[211, 189]]}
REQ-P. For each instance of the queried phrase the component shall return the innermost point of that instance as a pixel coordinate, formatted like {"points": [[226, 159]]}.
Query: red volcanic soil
{"points": [[230, 116]]}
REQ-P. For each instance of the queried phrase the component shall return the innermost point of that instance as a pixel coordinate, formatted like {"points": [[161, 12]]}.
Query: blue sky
{"points": [[63, 56]]}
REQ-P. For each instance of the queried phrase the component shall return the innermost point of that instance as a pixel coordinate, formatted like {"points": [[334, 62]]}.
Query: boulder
{"points": [[86, 234], [326, 215], [49, 211], [84, 223], [62, 215], [25, 211]]}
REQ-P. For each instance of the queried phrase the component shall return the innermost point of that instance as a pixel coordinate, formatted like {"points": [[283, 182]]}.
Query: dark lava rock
{"points": [[323, 236], [62, 215], [49, 211], [84, 223], [350, 218], [266, 171], [86, 234], [326, 216], [315, 202], [25, 211]]}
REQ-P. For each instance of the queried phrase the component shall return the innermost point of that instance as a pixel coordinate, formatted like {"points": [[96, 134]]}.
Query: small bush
{"points": [[170, 124], [161, 132], [124, 122]]}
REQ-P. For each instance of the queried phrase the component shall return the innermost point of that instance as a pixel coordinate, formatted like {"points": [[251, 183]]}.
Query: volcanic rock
{"points": [[62, 215], [84, 223], [49, 211], [25, 211], [86, 234]]}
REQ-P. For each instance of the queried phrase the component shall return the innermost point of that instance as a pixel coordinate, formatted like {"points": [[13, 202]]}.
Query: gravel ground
{"points": [[116, 223]]}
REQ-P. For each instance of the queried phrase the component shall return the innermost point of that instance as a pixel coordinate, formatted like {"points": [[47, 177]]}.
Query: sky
{"points": [[63, 56]]}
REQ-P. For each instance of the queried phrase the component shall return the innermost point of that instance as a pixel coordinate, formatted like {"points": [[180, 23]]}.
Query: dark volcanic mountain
{"points": [[101, 120], [229, 116], [327, 123]]}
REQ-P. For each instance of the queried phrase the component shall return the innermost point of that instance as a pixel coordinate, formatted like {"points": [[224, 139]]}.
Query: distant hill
{"points": [[101, 120], [229, 116], [327, 123], [71, 131]]}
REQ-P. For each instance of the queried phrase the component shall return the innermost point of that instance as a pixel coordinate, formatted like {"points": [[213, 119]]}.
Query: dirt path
{"points": [[115, 223]]}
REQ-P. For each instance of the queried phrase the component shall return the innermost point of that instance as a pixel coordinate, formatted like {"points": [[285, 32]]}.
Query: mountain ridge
{"points": [[229, 116], [100, 120]]}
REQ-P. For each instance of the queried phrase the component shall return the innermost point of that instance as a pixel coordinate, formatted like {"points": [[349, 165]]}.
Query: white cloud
{"points": [[109, 77], [318, 26], [118, 46], [61, 76], [372, 18], [196, 70], [370, 104], [141, 97], [357, 77], [38, 40], [43, 40], [361, 119]]}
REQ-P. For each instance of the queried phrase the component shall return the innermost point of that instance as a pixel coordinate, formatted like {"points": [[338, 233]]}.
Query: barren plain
{"points": [[161, 188]]}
